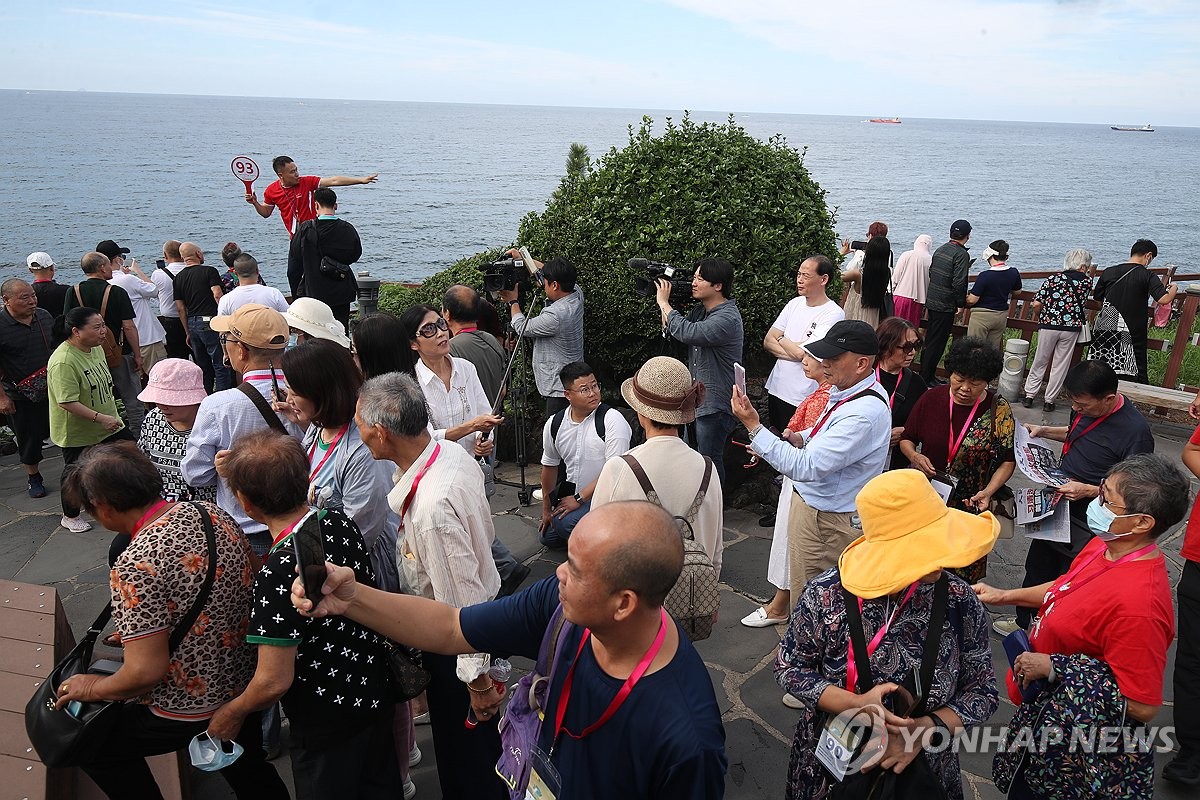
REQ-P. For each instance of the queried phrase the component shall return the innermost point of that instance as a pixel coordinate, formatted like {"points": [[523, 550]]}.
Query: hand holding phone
{"points": [[739, 377], [310, 555]]}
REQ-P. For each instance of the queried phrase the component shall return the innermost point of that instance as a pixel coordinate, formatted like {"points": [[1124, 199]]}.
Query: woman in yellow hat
{"points": [[924, 666]]}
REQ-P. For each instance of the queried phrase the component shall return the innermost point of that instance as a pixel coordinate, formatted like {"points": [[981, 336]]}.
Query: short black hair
{"points": [[270, 469], [230, 252], [324, 372], [823, 264], [279, 162], [717, 271], [462, 303], [974, 359], [377, 343], [1001, 248], [117, 474], [245, 266], [325, 197], [561, 271], [573, 372], [1152, 485], [77, 317], [1143, 246], [1092, 379]]}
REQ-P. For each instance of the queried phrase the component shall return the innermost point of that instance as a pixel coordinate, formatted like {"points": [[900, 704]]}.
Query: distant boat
{"points": [[1144, 129], [886, 120]]}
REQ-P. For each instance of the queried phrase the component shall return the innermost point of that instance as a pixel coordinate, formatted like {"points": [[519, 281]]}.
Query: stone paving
{"points": [[34, 549]]}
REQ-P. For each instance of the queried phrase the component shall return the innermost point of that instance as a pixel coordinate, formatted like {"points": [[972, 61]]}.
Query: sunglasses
{"points": [[909, 347], [430, 329]]}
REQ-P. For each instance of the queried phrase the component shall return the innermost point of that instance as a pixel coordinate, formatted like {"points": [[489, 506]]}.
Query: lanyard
{"points": [[952, 445], [821, 423], [142, 520], [467, 329], [873, 645], [1068, 440], [332, 446], [627, 687], [437, 448], [892, 394], [1065, 586], [286, 532]]}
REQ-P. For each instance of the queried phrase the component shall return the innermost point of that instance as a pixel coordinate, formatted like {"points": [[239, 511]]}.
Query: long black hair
{"points": [[379, 344], [876, 271]]}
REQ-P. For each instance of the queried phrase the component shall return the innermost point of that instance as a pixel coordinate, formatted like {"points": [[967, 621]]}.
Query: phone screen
{"points": [[739, 377], [310, 554], [858, 245]]}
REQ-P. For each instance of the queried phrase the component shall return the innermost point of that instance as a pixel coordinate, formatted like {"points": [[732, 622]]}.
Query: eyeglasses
{"points": [[909, 347], [1104, 503], [430, 329], [226, 338], [586, 391]]}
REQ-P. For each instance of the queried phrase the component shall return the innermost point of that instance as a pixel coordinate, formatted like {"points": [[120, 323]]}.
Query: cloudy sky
{"points": [[1054, 60]]}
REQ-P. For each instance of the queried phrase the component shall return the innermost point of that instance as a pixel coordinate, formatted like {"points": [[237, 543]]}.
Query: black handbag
{"points": [[409, 677], [333, 269], [917, 781], [65, 739]]}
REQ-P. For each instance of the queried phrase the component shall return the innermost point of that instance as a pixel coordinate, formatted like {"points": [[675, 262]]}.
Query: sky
{"points": [[1100, 61]]}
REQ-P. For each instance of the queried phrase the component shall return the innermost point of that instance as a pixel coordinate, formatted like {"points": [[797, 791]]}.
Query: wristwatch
{"points": [[579, 498], [512, 303]]}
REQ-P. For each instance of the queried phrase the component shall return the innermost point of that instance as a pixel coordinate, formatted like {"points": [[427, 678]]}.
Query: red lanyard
{"points": [[328, 452], [873, 645], [142, 520], [437, 448], [627, 687], [1068, 440], [1065, 586], [892, 394], [468, 329], [286, 532], [952, 445], [821, 423]]}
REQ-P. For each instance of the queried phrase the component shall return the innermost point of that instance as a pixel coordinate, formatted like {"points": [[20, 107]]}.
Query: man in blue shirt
{"points": [[665, 739]]}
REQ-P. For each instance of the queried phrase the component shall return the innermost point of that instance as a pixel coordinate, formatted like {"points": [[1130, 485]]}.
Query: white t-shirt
{"points": [[267, 296], [801, 323], [165, 283], [578, 444], [140, 292]]}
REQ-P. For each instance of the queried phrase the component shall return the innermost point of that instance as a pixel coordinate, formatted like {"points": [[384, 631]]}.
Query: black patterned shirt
{"points": [[166, 447], [1062, 296]]}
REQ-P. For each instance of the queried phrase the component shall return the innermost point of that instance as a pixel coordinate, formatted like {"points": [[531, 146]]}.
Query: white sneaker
{"points": [[414, 755], [1006, 625], [791, 701], [410, 789], [537, 495], [75, 524]]}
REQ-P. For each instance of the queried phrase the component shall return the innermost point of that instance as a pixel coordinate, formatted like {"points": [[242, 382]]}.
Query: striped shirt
{"points": [[557, 335]]}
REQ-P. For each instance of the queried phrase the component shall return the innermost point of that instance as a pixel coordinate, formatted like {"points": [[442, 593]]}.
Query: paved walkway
{"points": [[758, 727]]}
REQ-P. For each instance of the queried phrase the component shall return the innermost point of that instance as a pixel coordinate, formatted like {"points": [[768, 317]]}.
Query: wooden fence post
{"points": [[1183, 336]]}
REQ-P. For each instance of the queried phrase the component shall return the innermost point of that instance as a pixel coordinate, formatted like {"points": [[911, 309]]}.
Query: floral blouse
{"points": [[1062, 296], [812, 657]]}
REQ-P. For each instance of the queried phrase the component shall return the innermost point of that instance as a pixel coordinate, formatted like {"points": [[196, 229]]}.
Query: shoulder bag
{"points": [[694, 599], [329, 268], [66, 738], [1111, 339], [113, 356]]}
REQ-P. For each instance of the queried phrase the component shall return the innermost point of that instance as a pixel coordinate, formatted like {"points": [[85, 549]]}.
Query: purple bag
{"points": [[522, 720]]}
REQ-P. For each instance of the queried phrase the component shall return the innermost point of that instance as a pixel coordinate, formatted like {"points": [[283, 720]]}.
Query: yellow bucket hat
{"points": [[908, 532]]}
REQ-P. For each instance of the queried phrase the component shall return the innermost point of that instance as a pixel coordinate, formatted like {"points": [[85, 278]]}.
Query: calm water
{"points": [[456, 179]]}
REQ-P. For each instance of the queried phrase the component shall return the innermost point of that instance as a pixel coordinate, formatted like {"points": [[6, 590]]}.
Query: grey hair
{"points": [[1152, 485], [1077, 258], [395, 402], [10, 286]]}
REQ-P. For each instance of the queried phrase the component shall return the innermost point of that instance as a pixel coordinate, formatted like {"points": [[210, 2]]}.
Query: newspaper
{"points": [[1035, 504], [1036, 459], [1052, 526]]}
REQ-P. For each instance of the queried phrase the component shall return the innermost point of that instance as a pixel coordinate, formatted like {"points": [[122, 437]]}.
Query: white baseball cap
{"points": [[39, 260]]}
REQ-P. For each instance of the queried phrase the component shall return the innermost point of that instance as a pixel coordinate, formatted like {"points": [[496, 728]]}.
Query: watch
{"points": [[512, 303], [579, 498]]}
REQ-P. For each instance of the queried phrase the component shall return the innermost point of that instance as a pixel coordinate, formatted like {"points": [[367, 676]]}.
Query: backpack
{"points": [[111, 345], [694, 599], [561, 484]]}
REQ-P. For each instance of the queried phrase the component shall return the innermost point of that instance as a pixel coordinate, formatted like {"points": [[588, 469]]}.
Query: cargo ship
{"points": [[886, 120], [1144, 129]]}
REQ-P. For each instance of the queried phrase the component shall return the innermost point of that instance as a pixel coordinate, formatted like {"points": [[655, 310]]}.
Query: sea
{"points": [[456, 179]]}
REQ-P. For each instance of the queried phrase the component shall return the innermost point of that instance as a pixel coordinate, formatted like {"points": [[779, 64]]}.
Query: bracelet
{"points": [[490, 686], [781, 337], [754, 431], [95, 416]]}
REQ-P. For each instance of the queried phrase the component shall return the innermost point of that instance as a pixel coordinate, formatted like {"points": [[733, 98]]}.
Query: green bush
{"points": [[696, 190], [396, 298]]}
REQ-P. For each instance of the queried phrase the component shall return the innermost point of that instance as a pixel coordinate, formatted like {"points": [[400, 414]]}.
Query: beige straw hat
{"points": [[663, 390]]}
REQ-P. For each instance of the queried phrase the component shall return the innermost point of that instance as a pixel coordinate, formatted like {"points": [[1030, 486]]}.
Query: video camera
{"points": [[648, 274], [508, 273]]}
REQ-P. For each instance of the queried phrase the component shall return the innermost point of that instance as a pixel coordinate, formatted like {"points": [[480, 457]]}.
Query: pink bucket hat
{"points": [[174, 382]]}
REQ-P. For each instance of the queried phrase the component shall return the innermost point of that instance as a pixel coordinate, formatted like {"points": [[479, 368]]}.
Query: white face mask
{"points": [[210, 754], [1100, 519]]}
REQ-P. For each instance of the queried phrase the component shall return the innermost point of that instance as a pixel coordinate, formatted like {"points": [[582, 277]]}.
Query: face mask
{"points": [[209, 754], [293, 340], [1100, 519]]}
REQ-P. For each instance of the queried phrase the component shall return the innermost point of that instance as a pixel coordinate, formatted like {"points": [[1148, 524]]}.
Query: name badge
{"points": [[837, 745], [544, 780], [944, 485]]}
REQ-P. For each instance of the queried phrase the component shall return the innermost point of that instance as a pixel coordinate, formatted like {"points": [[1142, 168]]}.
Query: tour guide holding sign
{"points": [[293, 192], [1105, 429]]}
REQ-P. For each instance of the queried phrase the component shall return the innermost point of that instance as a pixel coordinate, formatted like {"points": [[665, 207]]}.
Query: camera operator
{"points": [[557, 332], [712, 331]]}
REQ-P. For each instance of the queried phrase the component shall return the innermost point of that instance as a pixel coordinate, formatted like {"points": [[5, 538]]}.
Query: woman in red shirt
{"points": [[1114, 607]]}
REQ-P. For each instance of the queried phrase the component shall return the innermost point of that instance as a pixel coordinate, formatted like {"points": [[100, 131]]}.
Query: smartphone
{"points": [[739, 378], [280, 394], [858, 245], [310, 555], [160, 264]]}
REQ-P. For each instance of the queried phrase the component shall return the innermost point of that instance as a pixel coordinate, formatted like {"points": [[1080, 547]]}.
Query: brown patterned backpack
{"points": [[694, 599]]}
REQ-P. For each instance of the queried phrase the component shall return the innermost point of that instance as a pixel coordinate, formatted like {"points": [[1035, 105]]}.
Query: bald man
{"points": [[197, 288], [622, 560]]}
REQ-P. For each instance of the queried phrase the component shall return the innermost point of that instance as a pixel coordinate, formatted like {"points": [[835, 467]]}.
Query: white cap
{"points": [[39, 260]]}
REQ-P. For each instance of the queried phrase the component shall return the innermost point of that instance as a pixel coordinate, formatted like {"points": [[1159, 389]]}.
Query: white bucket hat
{"points": [[317, 320]]}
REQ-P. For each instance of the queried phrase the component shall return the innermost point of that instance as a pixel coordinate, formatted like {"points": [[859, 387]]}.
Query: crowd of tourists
{"points": [[208, 420]]}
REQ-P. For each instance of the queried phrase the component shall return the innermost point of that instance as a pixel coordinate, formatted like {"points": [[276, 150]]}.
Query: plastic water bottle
{"points": [[500, 672]]}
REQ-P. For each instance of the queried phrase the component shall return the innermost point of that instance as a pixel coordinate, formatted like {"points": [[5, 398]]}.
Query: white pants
{"points": [[779, 571], [1051, 344]]}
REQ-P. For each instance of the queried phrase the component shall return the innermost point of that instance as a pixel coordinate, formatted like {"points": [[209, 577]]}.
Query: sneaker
{"points": [[75, 524], [1006, 625], [791, 701], [410, 789], [537, 495], [767, 521], [1027, 401], [37, 488], [1184, 768], [414, 755], [1047, 407]]}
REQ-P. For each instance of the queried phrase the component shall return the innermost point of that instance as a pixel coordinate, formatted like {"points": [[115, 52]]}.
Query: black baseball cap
{"points": [[846, 336], [111, 248], [959, 229]]}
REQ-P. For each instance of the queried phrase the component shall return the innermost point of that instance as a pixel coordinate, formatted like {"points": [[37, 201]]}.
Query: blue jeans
{"points": [[712, 432], [206, 349], [560, 527]]}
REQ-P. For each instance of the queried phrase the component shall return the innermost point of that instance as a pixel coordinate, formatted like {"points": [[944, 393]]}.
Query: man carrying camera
{"points": [[712, 331], [557, 332]]}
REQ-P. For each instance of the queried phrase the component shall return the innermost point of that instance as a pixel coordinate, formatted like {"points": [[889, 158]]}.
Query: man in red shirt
{"points": [[1185, 768], [293, 193]]}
